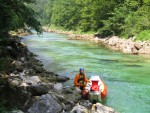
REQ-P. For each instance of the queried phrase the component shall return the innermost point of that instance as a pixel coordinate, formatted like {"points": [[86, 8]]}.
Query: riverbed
{"points": [[127, 76]]}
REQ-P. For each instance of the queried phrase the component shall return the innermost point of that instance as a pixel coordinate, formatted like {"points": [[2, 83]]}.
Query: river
{"points": [[127, 76]]}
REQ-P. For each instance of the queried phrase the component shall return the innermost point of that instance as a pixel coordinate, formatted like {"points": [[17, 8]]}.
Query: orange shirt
{"points": [[77, 78]]}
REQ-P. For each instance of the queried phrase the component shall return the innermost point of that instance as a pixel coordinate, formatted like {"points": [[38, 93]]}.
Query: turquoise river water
{"points": [[127, 76]]}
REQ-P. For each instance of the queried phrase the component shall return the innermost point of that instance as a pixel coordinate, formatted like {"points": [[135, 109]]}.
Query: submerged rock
{"points": [[46, 104]]}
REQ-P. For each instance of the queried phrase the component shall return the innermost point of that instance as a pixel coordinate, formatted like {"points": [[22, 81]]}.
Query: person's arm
{"points": [[85, 79], [76, 80]]}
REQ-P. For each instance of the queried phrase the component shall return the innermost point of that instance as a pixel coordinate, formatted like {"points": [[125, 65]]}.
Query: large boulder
{"points": [[16, 97], [40, 89], [66, 105], [46, 104]]}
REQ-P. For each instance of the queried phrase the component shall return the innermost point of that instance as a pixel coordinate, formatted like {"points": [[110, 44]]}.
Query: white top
{"points": [[95, 78]]}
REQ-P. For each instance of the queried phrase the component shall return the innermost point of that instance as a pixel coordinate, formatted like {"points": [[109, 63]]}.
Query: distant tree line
{"points": [[125, 18], [106, 17]]}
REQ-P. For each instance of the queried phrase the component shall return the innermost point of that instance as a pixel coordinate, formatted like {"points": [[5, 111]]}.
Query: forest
{"points": [[17, 14], [124, 18]]}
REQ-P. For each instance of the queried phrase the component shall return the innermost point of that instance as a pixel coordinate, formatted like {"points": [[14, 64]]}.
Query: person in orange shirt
{"points": [[80, 79]]}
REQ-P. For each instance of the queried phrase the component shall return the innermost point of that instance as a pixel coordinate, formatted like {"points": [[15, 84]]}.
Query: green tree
{"points": [[16, 14]]}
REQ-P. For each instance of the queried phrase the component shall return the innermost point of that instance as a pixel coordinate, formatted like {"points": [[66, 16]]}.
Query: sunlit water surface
{"points": [[127, 76]]}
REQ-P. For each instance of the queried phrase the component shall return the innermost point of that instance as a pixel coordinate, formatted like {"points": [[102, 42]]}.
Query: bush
{"points": [[144, 35]]}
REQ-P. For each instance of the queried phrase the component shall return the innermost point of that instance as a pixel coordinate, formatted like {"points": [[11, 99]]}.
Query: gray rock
{"points": [[28, 82], [73, 98], [85, 103], [46, 104], [61, 98], [14, 75], [22, 59], [39, 89], [77, 90], [24, 85], [38, 69], [68, 90], [31, 80], [99, 108], [35, 79], [79, 109], [16, 111], [18, 65], [58, 87], [14, 81], [23, 74], [61, 79], [56, 78]]}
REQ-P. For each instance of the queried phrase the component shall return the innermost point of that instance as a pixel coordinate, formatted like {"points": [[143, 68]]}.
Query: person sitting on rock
{"points": [[80, 80]]}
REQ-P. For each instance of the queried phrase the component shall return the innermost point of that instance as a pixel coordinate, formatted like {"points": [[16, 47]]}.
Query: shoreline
{"points": [[27, 86], [127, 46]]}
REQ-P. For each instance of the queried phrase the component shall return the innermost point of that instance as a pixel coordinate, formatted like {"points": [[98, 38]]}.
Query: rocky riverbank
{"points": [[28, 88], [128, 46], [125, 45]]}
